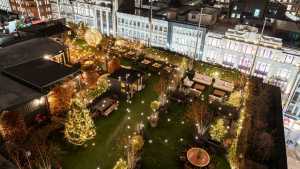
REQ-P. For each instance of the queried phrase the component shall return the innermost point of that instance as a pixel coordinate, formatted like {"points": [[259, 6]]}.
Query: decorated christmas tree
{"points": [[79, 126], [218, 130], [121, 164]]}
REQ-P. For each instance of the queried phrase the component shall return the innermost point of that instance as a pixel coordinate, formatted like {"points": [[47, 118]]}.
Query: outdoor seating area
{"points": [[220, 89], [128, 80], [155, 66], [104, 107]]}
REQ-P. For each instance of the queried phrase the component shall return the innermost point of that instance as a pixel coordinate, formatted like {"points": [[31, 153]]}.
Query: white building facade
{"points": [[184, 39], [176, 37], [84, 12], [99, 14], [5, 5], [274, 63], [137, 28]]}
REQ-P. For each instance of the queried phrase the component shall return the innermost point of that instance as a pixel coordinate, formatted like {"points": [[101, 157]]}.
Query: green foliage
{"points": [[218, 130], [102, 86], [155, 105], [121, 164], [79, 126]]}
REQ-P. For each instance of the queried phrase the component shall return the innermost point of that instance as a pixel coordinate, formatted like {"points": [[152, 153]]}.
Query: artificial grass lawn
{"points": [[112, 133]]}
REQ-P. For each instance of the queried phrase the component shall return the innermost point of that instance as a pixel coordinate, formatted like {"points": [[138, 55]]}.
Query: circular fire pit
{"points": [[198, 157]]}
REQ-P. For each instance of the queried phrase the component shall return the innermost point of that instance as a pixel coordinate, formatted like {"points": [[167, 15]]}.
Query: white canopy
{"points": [[224, 85], [199, 78]]}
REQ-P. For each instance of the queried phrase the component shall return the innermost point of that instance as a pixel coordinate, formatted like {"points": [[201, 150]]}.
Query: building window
{"points": [[262, 69], [228, 60], [256, 13], [245, 64], [295, 98], [289, 59], [233, 15]]}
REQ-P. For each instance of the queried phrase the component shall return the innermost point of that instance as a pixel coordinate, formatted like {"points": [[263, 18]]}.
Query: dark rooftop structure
{"points": [[23, 51], [171, 10], [49, 28], [40, 73], [14, 92], [127, 75]]}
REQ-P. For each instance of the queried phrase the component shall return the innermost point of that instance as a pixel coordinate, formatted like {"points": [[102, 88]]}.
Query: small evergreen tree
{"points": [[218, 130], [79, 126]]}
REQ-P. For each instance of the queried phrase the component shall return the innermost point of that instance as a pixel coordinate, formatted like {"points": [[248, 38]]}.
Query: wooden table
{"points": [[223, 85], [219, 93], [199, 87]]}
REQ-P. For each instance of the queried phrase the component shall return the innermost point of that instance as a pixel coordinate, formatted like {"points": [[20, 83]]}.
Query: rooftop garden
{"points": [[185, 114]]}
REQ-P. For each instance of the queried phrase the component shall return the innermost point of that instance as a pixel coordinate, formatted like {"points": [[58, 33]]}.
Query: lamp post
{"points": [[198, 33], [150, 22], [256, 51]]}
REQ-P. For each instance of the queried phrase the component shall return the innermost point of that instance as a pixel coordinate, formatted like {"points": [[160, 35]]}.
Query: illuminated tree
{"points": [[218, 130], [161, 88], [93, 37], [101, 87], [60, 98], [121, 164], [13, 127], [200, 116], [154, 105], [79, 126]]}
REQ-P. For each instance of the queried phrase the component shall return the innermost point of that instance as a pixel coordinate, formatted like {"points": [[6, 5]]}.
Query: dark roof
{"points": [[40, 73], [12, 92], [46, 29], [132, 75], [29, 50], [4, 163]]}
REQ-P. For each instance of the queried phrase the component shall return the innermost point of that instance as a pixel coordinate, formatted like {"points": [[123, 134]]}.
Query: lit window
{"points": [[233, 15], [256, 12], [289, 59]]}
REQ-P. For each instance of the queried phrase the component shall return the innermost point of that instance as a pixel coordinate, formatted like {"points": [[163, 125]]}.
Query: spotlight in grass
{"points": [[181, 139], [168, 119], [182, 122], [166, 140], [150, 141]]}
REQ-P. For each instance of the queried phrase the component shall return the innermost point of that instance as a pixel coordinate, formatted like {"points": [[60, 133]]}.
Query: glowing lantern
{"points": [[137, 142]]}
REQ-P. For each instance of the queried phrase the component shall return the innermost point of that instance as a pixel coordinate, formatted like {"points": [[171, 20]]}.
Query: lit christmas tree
{"points": [[121, 164], [218, 130], [79, 126]]}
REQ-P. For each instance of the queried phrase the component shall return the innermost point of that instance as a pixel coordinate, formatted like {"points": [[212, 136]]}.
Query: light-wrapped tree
{"points": [[218, 130], [101, 87], [199, 114], [121, 164], [79, 126]]}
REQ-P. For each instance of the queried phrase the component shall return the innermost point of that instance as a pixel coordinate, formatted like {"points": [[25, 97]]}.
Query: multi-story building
{"points": [[292, 8], [175, 29], [237, 48], [100, 14], [33, 8], [5, 5], [84, 12]]}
